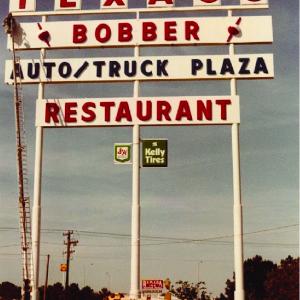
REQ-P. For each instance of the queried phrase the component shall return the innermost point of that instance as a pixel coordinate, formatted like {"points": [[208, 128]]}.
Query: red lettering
{"points": [[223, 104], [204, 110], [123, 112], [125, 32], [70, 112], [139, 111], [184, 111], [153, 2], [149, 31], [109, 3], [107, 106], [170, 31], [67, 4], [22, 4], [107, 33], [52, 111], [79, 33], [192, 30], [163, 110], [87, 109]]}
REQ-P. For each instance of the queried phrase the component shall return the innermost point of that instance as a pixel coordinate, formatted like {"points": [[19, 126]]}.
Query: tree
{"points": [[256, 271], [9, 291], [87, 293], [73, 292], [104, 293], [53, 292], [283, 282], [190, 291]]}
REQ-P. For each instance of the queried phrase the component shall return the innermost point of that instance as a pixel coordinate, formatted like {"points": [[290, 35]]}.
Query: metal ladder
{"points": [[11, 28], [22, 169]]}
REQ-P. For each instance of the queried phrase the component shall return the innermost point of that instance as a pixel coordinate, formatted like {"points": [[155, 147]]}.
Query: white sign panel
{"points": [[201, 110], [160, 3], [243, 2], [114, 4], [206, 2], [22, 5], [67, 4], [241, 66], [114, 33]]}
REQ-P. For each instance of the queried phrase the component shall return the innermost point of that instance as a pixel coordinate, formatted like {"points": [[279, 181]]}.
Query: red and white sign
{"points": [[115, 69], [152, 285], [160, 3], [206, 2], [106, 4], [22, 5], [67, 4], [146, 32], [201, 110], [60, 5], [243, 2]]}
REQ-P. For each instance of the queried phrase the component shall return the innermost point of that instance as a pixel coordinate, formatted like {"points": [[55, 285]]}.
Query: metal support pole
{"points": [[36, 210], [135, 223], [135, 292], [239, 293], [47, 275]]}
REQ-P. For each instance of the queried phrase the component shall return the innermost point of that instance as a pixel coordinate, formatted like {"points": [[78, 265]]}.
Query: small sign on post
{"points": [[155, 153], [122, 153], [63, 267], [154, 286]]}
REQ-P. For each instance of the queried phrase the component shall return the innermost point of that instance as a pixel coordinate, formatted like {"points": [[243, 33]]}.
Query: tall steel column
{"points": [[239, 293], [136, 208], [37, 209]]}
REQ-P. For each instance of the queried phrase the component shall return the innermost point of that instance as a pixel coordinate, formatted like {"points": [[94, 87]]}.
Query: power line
{"points": [[174, 239]]}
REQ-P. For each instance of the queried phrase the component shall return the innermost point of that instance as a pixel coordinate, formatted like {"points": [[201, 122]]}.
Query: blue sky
{"points": [[192, 199]]}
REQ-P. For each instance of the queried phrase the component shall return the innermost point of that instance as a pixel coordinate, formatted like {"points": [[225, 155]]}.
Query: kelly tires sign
{"points": [[155, 153]]}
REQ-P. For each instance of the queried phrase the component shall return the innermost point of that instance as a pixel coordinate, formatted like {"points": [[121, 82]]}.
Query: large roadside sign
{"points": [[138, 30]]}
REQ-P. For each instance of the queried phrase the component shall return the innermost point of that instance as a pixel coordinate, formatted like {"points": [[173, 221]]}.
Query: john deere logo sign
{"points": [[155, 153], [122, 153]]}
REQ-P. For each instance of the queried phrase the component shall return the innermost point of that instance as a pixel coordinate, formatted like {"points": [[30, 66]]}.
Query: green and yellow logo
{"points": [[122, 153]]}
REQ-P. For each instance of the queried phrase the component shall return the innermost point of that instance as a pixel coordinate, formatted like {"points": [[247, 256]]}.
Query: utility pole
{"points": [[46, 280], [69, 243]]}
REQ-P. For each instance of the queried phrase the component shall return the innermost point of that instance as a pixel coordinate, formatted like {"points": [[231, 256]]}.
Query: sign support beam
{"points": [[239, 293], [135, 292], [37, 208]]}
